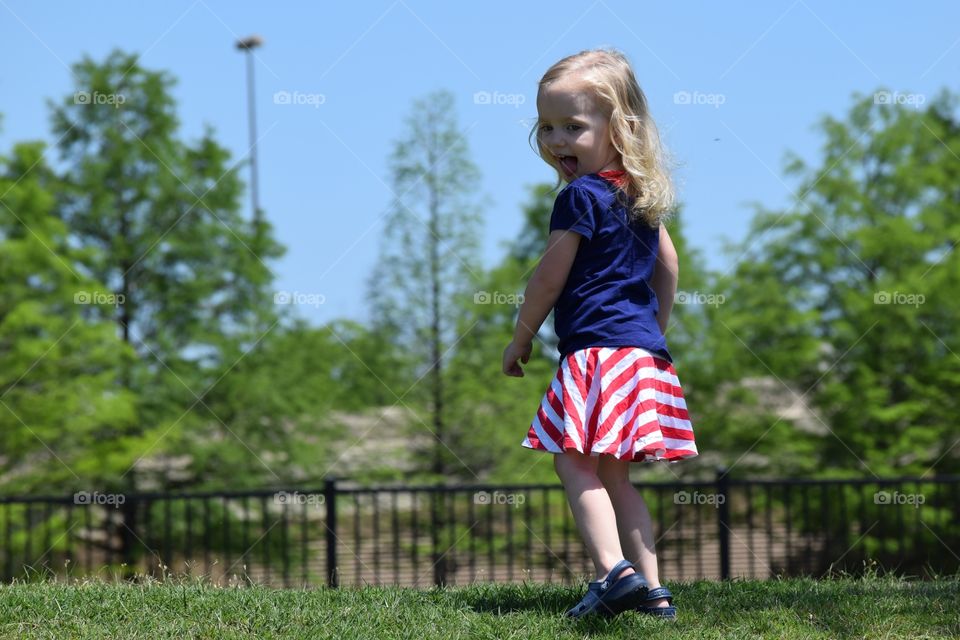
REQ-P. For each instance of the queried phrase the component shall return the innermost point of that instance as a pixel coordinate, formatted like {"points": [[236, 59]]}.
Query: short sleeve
{"points": [[574, 210]]}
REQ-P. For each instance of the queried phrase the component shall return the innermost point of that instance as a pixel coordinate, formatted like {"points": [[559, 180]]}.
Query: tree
{"points": [[285, 401], [494, 412], [171, 246], [58, 397], [850, 294], [428, 259]]}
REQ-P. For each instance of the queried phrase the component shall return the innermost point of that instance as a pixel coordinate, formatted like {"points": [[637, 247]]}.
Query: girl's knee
{"points": [[574, 463], [613, 473]]}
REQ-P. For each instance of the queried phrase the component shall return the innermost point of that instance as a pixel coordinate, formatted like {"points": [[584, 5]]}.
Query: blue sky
{"points": [[759, 77]]}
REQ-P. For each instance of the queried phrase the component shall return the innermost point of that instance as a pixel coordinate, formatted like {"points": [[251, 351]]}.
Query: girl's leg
{"points": [[633, 519], [591, 508]]}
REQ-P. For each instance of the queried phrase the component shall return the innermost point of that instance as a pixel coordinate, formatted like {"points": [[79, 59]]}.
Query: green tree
{"points": [[366, 368], [850, 294], [428, 260], [164, 216], [494, 411], [284, 402], [59, 402]]}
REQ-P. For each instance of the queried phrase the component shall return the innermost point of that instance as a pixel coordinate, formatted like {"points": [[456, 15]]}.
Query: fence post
{"points": [[438, 523], [128, 536], [330, 500], [723, 521]]}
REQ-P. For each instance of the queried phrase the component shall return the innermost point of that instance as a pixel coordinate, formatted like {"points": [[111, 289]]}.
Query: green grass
{"points": [[842, 607]]}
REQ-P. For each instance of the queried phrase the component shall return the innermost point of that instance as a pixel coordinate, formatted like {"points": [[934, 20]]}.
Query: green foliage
{"points": [[429, 264], [849, 296], [58, 398], [279, 403], [164, 217], [493, 411]]}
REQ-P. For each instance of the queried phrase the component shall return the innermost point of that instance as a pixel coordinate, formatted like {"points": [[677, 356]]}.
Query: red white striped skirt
{"points": [[623, 401]]}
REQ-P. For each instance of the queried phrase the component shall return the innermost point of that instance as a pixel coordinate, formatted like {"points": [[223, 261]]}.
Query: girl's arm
{"points": [[664, 280], [545, 284]]}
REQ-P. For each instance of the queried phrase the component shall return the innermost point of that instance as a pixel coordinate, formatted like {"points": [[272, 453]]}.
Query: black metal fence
{"points": [[418, 536]]}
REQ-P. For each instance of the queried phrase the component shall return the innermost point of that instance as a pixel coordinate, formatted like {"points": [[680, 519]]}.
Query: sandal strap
{"points": [[660, 592], [618, 568]]}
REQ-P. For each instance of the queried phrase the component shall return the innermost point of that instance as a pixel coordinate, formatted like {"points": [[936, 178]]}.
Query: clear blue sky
{"points": [[777, 67]]}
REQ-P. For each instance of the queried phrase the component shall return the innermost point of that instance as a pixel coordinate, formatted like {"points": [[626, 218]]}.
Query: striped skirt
{"points": [[624, 401]]}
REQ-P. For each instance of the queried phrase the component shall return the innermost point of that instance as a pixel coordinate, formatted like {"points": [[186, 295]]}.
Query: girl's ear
{"points": [[613, 135], [611, 130]]}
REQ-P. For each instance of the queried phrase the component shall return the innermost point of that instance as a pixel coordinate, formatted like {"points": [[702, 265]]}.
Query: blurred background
{"points": [[249, 248]]}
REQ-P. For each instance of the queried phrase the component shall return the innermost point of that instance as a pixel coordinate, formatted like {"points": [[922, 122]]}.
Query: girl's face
{"points": [[573, 131]]}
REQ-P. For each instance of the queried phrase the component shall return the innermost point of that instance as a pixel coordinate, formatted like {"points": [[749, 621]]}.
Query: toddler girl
{"points": [[609, 272]]}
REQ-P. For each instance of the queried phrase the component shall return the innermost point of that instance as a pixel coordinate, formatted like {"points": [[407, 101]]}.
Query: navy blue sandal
{"points": [[669, 612], [612, 595]]}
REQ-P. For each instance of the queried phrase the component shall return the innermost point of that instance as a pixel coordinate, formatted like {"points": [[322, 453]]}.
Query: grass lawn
{"points": [[843, 607]]}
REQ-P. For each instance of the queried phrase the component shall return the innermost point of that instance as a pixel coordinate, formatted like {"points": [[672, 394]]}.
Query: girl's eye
{"points": [[544, 128], [573, 127]]}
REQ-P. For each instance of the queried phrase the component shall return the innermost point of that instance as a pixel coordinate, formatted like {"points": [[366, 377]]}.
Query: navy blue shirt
{"points": [[607, 300]]}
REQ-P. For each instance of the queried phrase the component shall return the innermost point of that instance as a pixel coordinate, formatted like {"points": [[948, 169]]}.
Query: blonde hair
{"points": [[633, 132]]}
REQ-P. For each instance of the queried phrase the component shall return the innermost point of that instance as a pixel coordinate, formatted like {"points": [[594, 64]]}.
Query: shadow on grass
{"points": [[513, 599], [507, 599], [840, 607], [547, 602]]}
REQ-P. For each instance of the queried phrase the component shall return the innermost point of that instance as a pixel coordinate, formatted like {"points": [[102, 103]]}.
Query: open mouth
{"points": [[568, 164]]}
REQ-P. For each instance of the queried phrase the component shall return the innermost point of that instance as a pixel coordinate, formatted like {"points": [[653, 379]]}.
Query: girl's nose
{"points": [[556, 147], [550, 139]]}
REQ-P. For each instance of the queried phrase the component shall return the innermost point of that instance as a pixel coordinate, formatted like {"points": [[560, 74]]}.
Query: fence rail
{"points": [[417, 536]]}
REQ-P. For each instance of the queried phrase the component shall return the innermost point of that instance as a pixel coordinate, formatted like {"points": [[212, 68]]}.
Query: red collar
{"points": [[617, 177]]}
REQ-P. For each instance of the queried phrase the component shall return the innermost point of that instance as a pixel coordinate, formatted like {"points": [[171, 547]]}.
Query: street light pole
{"points": [[247, 45]]}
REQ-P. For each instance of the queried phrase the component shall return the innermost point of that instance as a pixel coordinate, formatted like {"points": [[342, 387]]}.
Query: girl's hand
{"points": [[511, 354]]}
